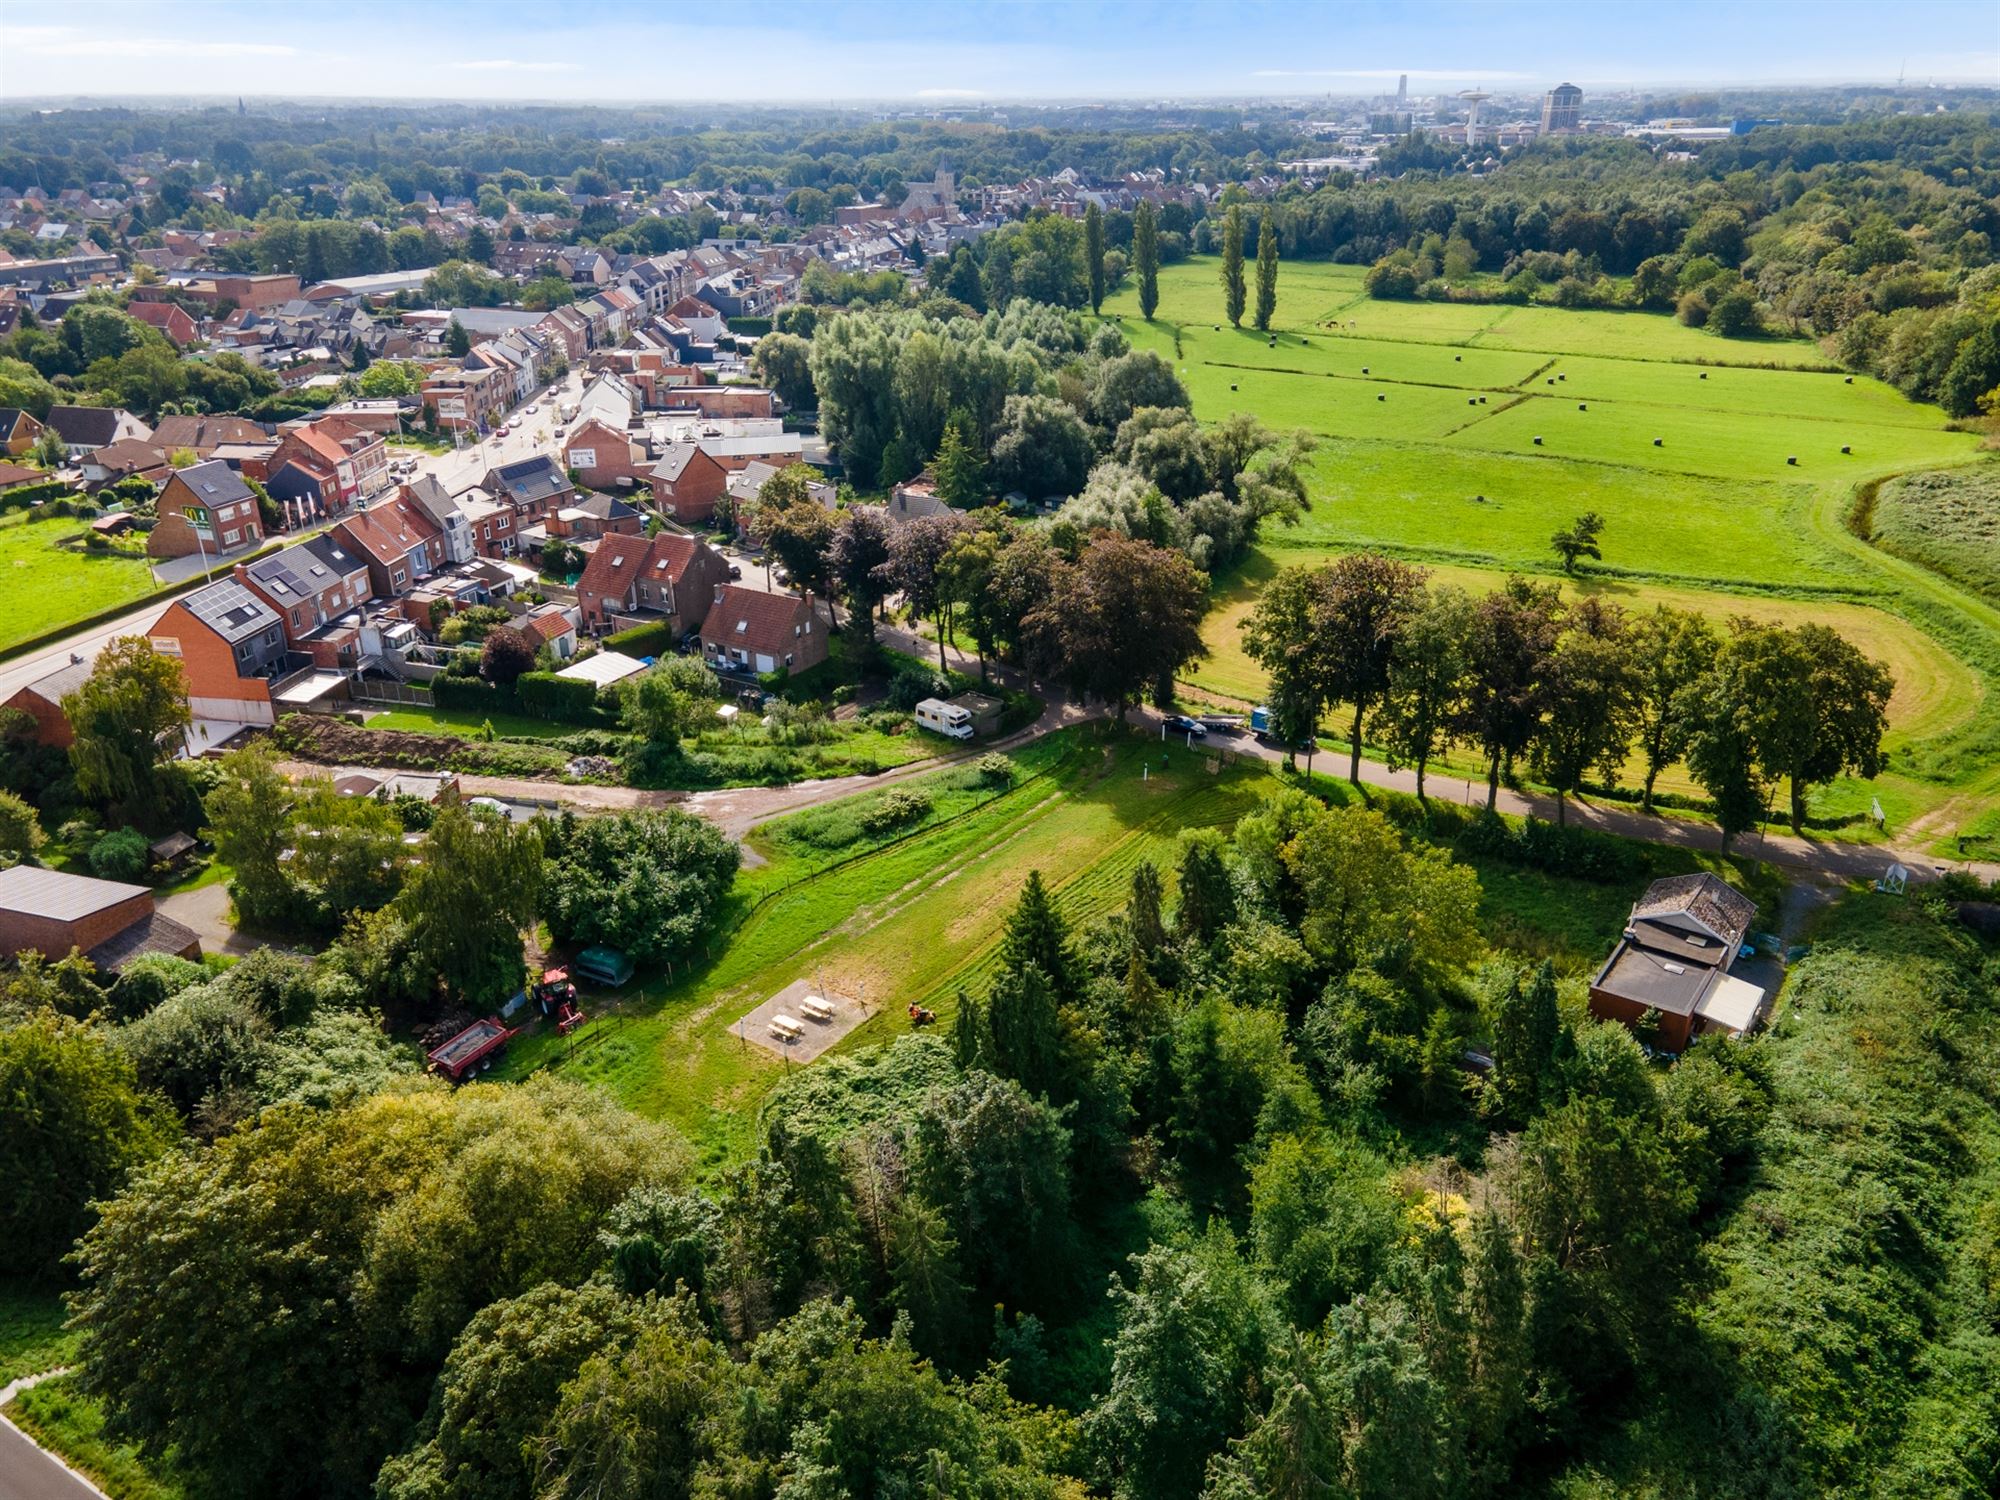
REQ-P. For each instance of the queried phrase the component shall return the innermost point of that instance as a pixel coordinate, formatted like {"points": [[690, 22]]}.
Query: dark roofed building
{"points": [[1674, 960], [85, 429], [206, 509], [533, 486]]}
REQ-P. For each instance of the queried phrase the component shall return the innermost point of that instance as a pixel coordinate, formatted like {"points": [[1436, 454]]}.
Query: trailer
{"points": [[1221, 723], [472, 1051], [947, 719], [1260, 719]]}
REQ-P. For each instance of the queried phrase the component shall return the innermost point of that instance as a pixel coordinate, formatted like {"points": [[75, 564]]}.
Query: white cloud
{"points": [[513, 65], [66, 41]]}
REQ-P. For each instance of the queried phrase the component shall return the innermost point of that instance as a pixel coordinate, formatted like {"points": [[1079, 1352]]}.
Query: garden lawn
{"points": [[468, 723], [44, 586], [915, 919]]}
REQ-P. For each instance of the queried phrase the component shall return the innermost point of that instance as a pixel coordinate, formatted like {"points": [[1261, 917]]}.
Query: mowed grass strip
{"points": [[1638, 335], [1721, 444], [1472, 505], [1338, 407], [44, 586], [1813, 394]]}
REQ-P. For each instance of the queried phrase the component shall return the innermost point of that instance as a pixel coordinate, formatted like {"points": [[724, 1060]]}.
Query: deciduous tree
{"points": [[1818, 706], [1124, 618], [1233, 296], [1267, 268], [128, 717], [1146, 257], [1671, 650], [1429, 665], [1093, 253]]}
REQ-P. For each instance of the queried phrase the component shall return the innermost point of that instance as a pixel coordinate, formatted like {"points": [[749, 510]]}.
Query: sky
{"points": [[943, 52]]}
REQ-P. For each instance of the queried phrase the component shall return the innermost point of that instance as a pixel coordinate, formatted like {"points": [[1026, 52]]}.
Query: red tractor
{"points": [[555, 993]]}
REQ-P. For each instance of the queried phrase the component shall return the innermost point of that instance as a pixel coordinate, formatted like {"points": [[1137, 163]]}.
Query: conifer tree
{"points": [[1093, 253], [1267, 269], [1527, 1041], [1146, 258], [1232, 264], [960, 467]]}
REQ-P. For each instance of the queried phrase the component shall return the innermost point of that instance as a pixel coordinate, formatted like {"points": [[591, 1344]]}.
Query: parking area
{"points": [[814, 1036]]}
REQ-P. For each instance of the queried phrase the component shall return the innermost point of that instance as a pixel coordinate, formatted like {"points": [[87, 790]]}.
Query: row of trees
{"points": [[1233, 298], [1573, 689]]}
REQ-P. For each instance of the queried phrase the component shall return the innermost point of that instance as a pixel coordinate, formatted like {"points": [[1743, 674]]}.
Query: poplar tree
{"points": [[1267, 270], [1146, 258], [1093, 253], [1232, 264]]}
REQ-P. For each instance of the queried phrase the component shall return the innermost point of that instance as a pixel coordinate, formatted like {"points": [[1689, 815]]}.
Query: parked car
{"points": [[736, 570], [533, 407], [1182, 724]]}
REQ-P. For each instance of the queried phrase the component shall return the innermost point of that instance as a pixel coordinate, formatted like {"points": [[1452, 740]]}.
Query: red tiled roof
{"points": [[769, 623], [549, 627]]}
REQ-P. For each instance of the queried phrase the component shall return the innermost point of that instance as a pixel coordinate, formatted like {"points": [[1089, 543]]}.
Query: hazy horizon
{"points": [[621, 52]]}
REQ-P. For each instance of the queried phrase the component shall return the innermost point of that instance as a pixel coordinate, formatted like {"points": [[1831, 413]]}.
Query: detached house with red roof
{"points": [[631, 581], [170, 319], [748, 630]]}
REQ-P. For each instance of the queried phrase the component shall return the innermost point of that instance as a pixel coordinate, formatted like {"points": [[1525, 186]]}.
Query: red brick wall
{"points": [[692, 497], [54, 938], [51, 726], [1675, 1031], [206, 659]]}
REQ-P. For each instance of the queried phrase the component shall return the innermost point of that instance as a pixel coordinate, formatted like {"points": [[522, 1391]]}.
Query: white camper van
{"points": [[947, 719]]}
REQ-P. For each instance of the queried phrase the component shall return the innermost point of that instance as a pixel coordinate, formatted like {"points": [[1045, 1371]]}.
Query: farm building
{"points": [[1682, 939], [110, 923]]}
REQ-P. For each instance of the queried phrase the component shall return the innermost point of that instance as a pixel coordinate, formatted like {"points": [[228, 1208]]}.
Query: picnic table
{"points": [[816, 1009], [786, 1029]]}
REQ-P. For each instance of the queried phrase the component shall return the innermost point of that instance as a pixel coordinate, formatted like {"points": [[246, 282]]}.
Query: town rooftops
{"points": [[305, 570], [206, 432], [230, 610]]}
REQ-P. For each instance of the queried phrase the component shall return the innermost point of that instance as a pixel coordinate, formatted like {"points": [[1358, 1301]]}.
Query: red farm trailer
{"points": [[472, 1051]]}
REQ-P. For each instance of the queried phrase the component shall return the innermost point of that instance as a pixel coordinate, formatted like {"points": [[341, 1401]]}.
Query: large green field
{"points": [[44, 585], [1463, 436]]}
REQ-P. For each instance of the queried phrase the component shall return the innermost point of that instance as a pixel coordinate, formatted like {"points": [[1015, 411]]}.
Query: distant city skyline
{"points": [[780, 52]]}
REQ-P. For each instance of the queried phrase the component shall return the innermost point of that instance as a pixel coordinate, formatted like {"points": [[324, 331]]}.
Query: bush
{"points": [[120, 855], [995, 770], [896, 808], [911, 684], [642, 640], [1578, 852], [560, 700], [451, 691]]}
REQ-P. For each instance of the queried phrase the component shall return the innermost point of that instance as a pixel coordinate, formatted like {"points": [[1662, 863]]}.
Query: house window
{"points": [[231, 537], [396, 578]]}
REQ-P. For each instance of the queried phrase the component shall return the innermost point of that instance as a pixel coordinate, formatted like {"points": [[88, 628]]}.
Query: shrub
{"points": [[508, 653], [896, 808], [451, 691], [995, 770], [561, 700], [642, 640], [120, 855], [911, 684]]}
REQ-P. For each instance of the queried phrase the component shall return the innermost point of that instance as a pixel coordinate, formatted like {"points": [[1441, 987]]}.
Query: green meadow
{"points": [[1462, 436]]}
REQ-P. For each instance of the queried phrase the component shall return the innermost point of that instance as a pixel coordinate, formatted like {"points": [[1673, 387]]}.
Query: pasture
{"points": [[1715, 463], [44, 585]]}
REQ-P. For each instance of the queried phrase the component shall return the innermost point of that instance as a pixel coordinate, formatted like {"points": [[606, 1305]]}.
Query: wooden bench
{"points": [[785, 1029], [816, 1009]]}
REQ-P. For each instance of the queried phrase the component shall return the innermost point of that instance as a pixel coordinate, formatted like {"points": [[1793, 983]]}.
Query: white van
{"points": [[947, 719]]}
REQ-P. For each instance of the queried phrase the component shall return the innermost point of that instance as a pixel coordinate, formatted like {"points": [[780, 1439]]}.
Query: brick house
{"points": [[400, 542], [332, 463], [748, 630], [1673, 962], [202, 435], [721, 401], [206, 508], [603, 455], [670, 579], [41, 700], [536, 488], [231, 647], [468, 399], [595, 516], [170, 318], [310, 586], [687, 483]]}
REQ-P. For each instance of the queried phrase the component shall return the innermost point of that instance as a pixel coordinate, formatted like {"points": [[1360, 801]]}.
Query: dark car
{"points": [[1182, 724], [735, 570]]}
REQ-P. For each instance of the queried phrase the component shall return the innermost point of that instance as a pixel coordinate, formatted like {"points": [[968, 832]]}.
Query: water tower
{"points": [[1473, 99]]}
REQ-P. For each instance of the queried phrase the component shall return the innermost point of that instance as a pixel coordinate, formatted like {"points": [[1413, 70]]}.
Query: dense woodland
{"points": [[1198, 1200]]}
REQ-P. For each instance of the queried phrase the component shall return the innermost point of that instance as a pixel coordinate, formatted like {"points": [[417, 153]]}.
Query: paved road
{"points": [[29, 1472]]}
